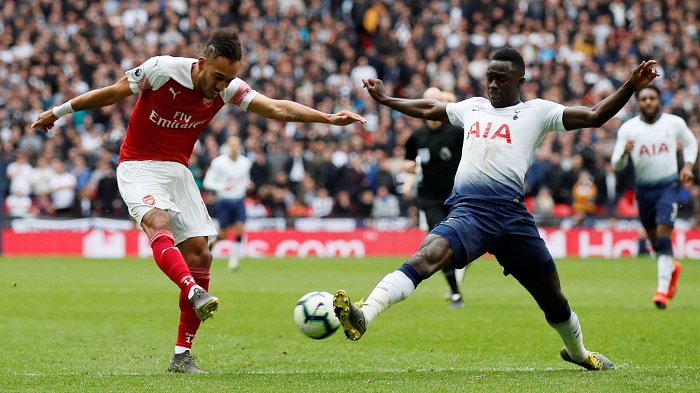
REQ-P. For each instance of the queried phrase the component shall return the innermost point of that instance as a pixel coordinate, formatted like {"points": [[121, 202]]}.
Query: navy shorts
{"points": [[435, 210], [658, 205], [507, 231], [230, 211]]}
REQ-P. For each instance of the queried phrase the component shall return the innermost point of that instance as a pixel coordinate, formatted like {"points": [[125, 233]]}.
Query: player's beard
{"points": [[651, 117]]}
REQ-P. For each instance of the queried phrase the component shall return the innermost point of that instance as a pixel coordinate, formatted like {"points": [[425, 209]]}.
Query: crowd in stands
{"points": [[316, 52]]}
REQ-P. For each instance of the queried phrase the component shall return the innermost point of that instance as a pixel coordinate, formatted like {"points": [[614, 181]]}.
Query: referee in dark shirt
{"points": [[437, 146]]}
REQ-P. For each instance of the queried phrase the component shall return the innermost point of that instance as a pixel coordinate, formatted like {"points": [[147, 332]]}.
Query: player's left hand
{"points": [[345, 117], [686, 175], [644, 74]]}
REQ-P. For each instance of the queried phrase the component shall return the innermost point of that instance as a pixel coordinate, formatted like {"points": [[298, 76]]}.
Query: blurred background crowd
{"points": [[316, 52]]}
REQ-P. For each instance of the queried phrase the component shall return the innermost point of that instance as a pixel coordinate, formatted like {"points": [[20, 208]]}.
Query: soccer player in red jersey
{"points": [[179, 97]]}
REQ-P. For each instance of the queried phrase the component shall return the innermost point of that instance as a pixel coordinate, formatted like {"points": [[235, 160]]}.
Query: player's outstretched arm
{"points": [[92, 99], [582, 117], [424, 108], [292, 111]]}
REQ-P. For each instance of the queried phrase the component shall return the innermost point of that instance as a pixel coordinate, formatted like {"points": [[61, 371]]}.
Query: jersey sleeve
{"points": [[552, 115], [148, 75], [617, 160], [455, 112], [239, 93], [687, 138]]}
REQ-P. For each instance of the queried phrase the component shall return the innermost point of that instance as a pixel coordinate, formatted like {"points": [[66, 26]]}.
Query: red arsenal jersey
{"points": [[171, 112]]}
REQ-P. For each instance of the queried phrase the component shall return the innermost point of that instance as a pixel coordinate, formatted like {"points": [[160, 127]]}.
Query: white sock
{"points": [[572, 337], [459, 274], [180, 350], [665, 268], [234, 255], [393, 288]]}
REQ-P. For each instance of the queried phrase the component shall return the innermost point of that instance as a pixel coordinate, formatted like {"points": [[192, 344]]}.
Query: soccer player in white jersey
{"points": [[501, 134], [229, 176], [178, 98], [649, 140]]}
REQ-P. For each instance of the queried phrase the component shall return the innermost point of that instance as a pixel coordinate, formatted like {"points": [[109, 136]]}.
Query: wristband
{"points": [[63, 109]]}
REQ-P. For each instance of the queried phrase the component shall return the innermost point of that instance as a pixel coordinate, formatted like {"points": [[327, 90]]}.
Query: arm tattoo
{"points": [[293, 115]]}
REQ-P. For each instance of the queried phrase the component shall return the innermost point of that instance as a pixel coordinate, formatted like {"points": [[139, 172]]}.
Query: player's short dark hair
{"points": [[223, 42], [652, 87], [512, 56]]}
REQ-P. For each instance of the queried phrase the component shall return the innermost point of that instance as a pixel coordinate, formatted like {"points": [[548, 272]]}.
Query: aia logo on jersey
{"points": [[149, 200], [490, 131], [653, 150]]}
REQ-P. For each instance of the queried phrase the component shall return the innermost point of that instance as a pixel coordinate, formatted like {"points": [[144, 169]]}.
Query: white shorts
{"points": [[169, 186]]}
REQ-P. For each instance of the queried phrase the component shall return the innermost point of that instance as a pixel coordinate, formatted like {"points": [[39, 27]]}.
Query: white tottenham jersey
{"points": [[228, 178], [655, 145], [498, 146]]}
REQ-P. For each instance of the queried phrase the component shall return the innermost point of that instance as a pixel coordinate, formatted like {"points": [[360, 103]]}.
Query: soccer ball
{"points": [[314, 315]]}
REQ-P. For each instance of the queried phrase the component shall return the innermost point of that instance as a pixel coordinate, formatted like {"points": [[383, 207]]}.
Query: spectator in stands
{"points": [[62, 186], [365, 204], [295, 167], [30, 142], [260, 170], [535, 176], [41, 176], [321, 204], [107, 200], [307, 190], [385, 204], [343, 207], [584, 194], [555, 179], [19, 205], [543, 208], [20, 173], [83, 189]]}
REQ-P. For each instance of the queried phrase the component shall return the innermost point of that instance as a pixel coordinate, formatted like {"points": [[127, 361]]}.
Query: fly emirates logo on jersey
{"points": [[490, 131], [179, 120]]}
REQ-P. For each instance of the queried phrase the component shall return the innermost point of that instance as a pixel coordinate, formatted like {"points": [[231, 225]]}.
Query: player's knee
{"points": [[155, 220], [200, 258], [434, 255]]}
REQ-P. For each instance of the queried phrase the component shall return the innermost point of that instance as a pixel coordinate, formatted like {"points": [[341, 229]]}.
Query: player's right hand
{"points": [[375, 88], [629, 146], [45, 121]]}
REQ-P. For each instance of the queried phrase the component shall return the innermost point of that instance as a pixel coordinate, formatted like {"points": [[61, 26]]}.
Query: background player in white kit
{"points": [[500, 137], [178, 98], [650, 141], [229, 176]]}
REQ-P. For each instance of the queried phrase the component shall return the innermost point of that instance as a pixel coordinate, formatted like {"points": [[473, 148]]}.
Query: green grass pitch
{"points": [[88, 325]]}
